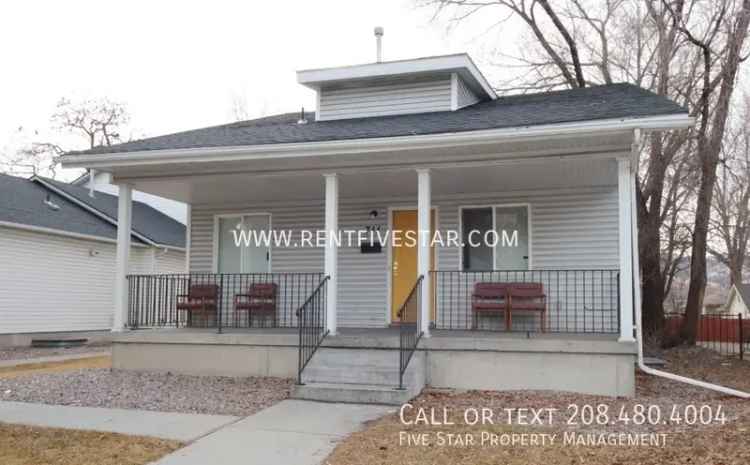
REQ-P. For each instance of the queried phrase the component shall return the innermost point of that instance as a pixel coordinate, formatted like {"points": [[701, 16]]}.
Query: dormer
{"points": [[421, 85]]}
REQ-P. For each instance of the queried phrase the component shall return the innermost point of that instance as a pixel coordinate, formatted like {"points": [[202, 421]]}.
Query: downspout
{"points": [[637, 297]]}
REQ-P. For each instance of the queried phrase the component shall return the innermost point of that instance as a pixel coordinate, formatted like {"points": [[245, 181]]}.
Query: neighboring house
{"points": [[411, 145], [102, 182], [738, 301], [57, 249]]}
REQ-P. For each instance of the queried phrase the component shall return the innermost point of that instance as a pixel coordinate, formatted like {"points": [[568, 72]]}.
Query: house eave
{"points": [[370, 145], [460, 63]]}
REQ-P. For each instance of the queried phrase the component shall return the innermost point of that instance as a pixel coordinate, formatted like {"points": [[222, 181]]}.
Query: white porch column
{"points": [[624, 190], [124, 217], [331, 248], [424, 201]]}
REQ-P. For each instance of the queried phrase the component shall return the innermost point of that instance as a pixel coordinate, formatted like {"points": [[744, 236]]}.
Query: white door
{"points": [[512, 249], [243, 244]]}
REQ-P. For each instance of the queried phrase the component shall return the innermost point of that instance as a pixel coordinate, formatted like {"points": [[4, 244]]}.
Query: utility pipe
{"points": [[637, 300]]}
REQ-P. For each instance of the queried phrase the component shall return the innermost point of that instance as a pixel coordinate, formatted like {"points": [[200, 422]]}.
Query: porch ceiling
{"points": [[238, 188]]}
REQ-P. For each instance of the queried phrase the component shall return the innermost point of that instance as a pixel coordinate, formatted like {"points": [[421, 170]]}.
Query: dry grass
{"points": [[104, 361], [712, 444], [25, 445]]}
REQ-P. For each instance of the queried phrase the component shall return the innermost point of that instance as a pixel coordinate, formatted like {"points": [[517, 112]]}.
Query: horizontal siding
{"points": [[380, 100], [55, 283], [570, 229], [464, 95]]}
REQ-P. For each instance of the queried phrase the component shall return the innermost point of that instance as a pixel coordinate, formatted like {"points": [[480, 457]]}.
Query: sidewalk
{"points": [[178, 426], [292, 432]]}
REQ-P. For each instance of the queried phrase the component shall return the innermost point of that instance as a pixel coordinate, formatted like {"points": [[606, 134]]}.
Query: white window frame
{"points": [[215, 252], [461, 209]]}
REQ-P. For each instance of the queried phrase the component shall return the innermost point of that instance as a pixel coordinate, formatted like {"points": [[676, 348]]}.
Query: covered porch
{"points": [[547, 298]]}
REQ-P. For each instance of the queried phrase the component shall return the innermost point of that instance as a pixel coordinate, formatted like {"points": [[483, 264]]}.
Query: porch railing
{"points": [[242, 300], [312, 326], [575, 301], [410, 329]]}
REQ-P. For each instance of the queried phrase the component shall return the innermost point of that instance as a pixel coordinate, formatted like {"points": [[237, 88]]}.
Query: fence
{"points": [[725, 333], [576, 301], [214, 300]]}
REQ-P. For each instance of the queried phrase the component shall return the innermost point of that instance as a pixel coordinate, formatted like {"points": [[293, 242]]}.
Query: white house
{"points": [[421, 145], [738, 301], [57, 250]]}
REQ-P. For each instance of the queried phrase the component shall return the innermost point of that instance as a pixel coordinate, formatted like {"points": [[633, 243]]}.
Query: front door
{"points": [[404, 258]]}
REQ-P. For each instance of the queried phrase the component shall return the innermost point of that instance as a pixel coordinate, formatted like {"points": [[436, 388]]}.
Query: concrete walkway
{"points": [[50, 359], [178, 426], [292, 432]]}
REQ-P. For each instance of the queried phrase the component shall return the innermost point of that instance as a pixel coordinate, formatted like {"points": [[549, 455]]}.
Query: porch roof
{"points": [[606, 102]]}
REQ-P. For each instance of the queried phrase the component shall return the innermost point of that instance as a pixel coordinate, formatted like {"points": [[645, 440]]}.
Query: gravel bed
{"points": [[23, 353], [163, 392]]}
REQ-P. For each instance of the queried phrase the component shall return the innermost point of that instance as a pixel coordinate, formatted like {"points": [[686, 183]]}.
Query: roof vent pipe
{"points": [[379, 42]]}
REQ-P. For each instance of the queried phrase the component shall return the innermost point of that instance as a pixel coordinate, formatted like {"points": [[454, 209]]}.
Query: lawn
{"points": [[386, 441], [25, 445]]}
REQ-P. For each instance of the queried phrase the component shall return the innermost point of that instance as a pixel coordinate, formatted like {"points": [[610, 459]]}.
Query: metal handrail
{"points": [[409, 333], [311, 316]]}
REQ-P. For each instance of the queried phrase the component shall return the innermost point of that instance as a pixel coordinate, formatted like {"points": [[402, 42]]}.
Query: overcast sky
{"points": [[180, 65]]}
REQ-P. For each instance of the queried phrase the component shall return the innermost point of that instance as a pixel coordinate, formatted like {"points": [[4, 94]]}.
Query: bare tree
{"points": [[719, 36], [730, 220], [100, 121], [96, 121]]}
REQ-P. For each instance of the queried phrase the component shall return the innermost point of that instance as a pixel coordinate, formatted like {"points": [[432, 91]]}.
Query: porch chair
{"points": [[260, 298], [489, 298], [527, 297], [201, 299]]}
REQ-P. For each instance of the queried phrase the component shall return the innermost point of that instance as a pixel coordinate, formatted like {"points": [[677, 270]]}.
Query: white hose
{"points": [[638, 311]]}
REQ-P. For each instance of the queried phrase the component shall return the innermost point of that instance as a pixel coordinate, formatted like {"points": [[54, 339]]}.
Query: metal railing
{"points": [[312, 326], [574, 301], [228, 300], [410, 328], [728, 334]]}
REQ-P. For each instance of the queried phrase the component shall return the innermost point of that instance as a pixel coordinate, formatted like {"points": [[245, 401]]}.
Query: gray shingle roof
{"points": [[22, 201], [147, 221], [591, 103]]}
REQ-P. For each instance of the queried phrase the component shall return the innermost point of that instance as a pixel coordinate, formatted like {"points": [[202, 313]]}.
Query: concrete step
{"points": [[358, 366], [354, 393]]}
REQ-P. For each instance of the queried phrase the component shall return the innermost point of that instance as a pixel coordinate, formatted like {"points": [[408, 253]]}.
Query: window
{"points": [[237, 250], [495, 238], [476, 222]]}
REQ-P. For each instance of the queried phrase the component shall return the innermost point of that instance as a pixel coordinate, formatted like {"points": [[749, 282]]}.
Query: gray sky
{"points": [[180, 65]]}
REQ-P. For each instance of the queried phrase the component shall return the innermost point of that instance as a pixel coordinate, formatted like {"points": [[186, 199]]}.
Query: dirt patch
{"points": [[25, 445], [54, 367], [668, 440]]}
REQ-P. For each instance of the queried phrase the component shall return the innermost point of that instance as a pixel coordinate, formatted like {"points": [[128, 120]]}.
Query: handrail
{"points": [[312, 328], [409, 333]]}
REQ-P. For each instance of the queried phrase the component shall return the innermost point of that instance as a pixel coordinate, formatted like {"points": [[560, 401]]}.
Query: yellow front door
{"points": [[404, 258]]}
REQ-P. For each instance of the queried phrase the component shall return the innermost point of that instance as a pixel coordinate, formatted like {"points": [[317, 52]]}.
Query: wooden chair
{"points": [[260, 298], [201, 299], [527, 297], [489, 298]]}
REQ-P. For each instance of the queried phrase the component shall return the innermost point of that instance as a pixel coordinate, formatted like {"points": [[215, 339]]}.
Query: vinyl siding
{"points": [[464, 95], [571, 229], [54, 283], [379, 100]]}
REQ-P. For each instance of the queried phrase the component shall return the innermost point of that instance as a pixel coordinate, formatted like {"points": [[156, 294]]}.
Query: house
{"points": [[739, 300], [422, 146], [58, 248]]}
